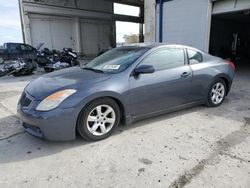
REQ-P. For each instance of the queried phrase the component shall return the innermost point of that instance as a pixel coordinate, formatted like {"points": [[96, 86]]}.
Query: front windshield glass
{"points": [[116, 60]]}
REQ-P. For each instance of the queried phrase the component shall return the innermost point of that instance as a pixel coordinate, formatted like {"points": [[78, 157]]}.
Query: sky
{"points": [[10, 24], [123, 28]]}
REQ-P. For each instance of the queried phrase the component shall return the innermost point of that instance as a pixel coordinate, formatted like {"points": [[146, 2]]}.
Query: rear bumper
{"points": [[55, 125]]}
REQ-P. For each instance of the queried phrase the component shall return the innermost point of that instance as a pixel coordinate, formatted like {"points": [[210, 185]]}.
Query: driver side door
{"points": [[166, 88]]}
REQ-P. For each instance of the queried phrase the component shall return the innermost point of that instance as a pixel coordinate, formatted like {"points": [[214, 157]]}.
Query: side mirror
{"points": [[144, 69]]}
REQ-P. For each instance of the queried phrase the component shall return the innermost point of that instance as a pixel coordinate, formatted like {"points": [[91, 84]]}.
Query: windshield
{"points": [[116, 60]]}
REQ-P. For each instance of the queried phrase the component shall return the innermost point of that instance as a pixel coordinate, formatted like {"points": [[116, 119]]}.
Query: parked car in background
{"points": [[13, 51], [122, 85]]}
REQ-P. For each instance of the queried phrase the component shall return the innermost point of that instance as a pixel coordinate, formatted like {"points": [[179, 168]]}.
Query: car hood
{"points": [[70, 78]]}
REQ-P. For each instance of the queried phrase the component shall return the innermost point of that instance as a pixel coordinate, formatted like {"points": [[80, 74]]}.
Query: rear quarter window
{"points": [[194, 57]]}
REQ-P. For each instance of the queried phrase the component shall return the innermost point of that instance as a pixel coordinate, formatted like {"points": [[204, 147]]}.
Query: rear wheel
{"points": [[99, 119], [217, 93]]}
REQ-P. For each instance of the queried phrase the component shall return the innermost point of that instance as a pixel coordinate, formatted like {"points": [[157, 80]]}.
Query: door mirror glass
{"points": [[144, 69]]}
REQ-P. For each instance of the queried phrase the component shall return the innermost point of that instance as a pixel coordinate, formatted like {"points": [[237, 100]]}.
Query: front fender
{"points": [[102, 94]]}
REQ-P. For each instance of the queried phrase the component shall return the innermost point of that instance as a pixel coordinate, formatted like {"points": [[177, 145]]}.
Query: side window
{"points": [[14, 48], [165, 59], [28, 47], [194, 57], [25, 47]]}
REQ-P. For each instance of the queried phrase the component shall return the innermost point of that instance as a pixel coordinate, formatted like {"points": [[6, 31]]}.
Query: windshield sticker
{"points": [[112, 67]]}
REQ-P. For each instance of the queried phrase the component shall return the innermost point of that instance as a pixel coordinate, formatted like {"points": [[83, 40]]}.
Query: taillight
{"points": [[231, 64]]}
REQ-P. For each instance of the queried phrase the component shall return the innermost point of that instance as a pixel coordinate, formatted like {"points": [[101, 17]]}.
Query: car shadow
{"points": [[21, 146]]}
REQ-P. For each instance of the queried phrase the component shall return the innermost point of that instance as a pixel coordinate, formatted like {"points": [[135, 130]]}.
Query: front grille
{"points": [[25, 101]]}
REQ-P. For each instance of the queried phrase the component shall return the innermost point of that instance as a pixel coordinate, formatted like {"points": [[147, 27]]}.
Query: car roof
{"points": [[156, 45]]}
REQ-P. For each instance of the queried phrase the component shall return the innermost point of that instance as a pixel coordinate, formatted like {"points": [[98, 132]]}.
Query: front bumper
{"points": [[55, 125]]}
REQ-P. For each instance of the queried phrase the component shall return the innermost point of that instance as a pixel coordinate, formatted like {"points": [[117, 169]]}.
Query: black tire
{"points": [[75, 63], [2, 73], [210, 101], [82, 124], [47, 70], [17, 74], [30, 72]]}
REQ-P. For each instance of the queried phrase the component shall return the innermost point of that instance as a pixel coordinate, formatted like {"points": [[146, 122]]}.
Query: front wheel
{"points": [[217, 93], [99, 119]]}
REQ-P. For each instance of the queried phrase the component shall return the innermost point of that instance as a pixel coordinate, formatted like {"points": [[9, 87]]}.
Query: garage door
{"points": [[95, 37], [230, 32], [186, 22], [54, 33]]}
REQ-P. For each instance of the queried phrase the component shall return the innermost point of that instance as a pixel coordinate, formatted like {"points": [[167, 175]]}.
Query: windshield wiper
{"points": [[94, 70]]}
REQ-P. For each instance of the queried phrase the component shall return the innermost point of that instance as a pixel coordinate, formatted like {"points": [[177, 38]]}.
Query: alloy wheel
{"points": [[217, 93], [101, 120]]}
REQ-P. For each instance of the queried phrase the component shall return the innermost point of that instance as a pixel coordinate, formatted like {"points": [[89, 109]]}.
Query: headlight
{"points": [[53, 101]]}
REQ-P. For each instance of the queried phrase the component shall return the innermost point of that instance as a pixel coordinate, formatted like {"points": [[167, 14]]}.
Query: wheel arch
{"points": [[114, 96], [226, 79], [227, 84]]}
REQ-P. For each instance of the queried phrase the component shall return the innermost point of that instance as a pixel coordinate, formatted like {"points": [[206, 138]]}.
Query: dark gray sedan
{"points": [[123, 85]]}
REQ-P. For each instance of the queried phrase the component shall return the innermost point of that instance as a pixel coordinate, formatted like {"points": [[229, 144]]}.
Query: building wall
{"points": [[150, 20], [96, 5], [225, 6], [84, 25], [186, 22], [66, 3]]}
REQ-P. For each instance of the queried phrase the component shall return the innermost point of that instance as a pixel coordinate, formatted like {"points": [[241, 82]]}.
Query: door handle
{"points": [[185, 74]]}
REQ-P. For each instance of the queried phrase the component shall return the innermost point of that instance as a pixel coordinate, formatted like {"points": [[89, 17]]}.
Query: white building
{"points": [[87, 26], [221, 27]]}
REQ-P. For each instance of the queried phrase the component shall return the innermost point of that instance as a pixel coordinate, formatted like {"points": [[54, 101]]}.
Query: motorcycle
{"points": [[67, 58], [45, 57], [17, 68]]}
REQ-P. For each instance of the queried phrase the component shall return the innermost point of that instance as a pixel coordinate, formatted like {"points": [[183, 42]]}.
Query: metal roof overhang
{"points": [[138, 3]]}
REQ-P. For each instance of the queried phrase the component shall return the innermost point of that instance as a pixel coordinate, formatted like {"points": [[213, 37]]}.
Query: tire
{"points": [[30, 72], [77, 63], [2, 73], [102, 127], [74, 63], [17, 74], [47, 70], [217, 93]]}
